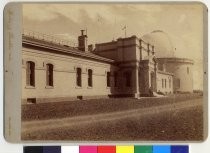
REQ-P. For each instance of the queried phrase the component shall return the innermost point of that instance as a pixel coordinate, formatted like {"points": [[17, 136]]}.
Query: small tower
{"points": [[82, 42]]}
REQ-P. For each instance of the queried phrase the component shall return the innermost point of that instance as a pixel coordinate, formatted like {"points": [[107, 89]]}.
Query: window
{"points": [[169, 82], [115, 79], [160, 67], [162, 83], [30, 73], [165, 83], [188, 70], [128, 79], [90, 78], [177, 83], [79, 77], [49, 74], [108, 79]]}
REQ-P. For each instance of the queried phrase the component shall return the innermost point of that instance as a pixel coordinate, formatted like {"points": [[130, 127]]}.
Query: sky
{"points": [[183, 24]]}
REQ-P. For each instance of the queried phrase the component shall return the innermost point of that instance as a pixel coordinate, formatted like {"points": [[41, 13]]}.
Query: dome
{"points": [[162, 44]]}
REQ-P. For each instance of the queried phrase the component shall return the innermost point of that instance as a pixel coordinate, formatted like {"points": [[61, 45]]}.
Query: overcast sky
{"points": [[104, 22]]}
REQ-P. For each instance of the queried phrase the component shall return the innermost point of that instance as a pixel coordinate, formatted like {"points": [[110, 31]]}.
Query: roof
{"points": [[164, 72], [175, 60], [60, 48]]}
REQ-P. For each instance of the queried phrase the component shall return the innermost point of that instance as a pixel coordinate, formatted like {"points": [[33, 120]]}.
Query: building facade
{"points": [[182, 72], [137, 57], [53, 71], [180, 67]]}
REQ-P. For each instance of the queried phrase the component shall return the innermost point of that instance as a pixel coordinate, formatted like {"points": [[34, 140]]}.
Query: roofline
{"points": [[105, 43], [115, 41], [163, 72], [63, 49], [176, 59]]}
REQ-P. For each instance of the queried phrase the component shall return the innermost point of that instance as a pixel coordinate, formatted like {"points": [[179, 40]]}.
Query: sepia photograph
{"points": [[112, 72]]}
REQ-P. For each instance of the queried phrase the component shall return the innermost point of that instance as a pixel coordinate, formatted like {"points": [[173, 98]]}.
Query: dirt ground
{"points": [[95, 106], [177, 122]]}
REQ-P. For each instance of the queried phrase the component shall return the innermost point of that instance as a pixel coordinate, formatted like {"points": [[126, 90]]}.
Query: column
{"points": [[155, 69], [136, 85], [146, 79]]}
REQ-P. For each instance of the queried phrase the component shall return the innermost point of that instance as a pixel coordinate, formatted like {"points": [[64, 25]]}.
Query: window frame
{"points": [[165, 83], [90, 78], [30, 74], [49, 75], [169, 80], [108, 79], [162, 83], [79, 77]]}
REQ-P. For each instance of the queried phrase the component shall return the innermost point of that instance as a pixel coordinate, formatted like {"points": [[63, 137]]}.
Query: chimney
{"points": [[82, 42]]}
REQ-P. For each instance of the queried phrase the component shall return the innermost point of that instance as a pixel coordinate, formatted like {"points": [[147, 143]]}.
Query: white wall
{"points": [[180, 72], [64, 76], [168, 88]]}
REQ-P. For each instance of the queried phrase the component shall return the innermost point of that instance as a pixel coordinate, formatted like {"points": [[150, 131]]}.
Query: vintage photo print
{"points": [[106, 72]]}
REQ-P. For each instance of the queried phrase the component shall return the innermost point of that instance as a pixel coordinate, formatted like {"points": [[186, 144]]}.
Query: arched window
{"points": [[90, 78], [108, 79], [49, 74], [30, 73], [79, 77]]}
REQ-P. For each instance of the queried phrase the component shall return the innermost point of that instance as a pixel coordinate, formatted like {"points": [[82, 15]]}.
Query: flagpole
{"points": [[125, 31]]}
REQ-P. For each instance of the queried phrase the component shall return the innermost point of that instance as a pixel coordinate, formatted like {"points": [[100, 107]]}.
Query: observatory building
{"points": [[167, 61], [54, 70]]}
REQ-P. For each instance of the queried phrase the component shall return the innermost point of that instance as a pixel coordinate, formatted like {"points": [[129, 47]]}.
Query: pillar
{"points": [[146, 79], [155, 69], [136, 85]]}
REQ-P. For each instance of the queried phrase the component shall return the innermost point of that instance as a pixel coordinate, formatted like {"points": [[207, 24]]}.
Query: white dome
{"points": [[162, 43]]}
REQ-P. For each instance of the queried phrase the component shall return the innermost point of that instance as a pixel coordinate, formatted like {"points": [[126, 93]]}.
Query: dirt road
{"points": [[30, 127]]}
